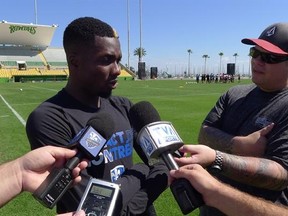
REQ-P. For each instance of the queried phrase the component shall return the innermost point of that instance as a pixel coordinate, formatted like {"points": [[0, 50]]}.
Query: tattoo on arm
{"points": [[215, 139], [258, 172]]}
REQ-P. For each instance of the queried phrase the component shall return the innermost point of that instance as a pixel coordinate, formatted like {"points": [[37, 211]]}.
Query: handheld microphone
{"points": [[159, 139], [89, 142]]}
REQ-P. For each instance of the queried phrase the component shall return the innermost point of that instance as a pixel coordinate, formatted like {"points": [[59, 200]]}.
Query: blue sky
{"points": [[169, 27]]}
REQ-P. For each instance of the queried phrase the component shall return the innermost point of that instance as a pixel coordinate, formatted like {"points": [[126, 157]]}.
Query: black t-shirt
{"points": [[245, 109], [57, 120]]}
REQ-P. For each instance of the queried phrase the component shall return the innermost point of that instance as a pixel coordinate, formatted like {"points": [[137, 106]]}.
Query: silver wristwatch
{"points": [[217, 165]]}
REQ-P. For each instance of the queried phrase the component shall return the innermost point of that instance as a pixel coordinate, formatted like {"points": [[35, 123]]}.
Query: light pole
{"points": [[141, 65], [35, 11], [128, 34], [140, 12]]}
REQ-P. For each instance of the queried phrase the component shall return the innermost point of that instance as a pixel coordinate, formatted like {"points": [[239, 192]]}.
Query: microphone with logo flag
{"points": [[159, 139], [89, 142]]}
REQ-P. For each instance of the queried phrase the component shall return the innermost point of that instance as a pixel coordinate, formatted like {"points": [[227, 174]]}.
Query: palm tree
{"points": [[140, 52], [220, 54], [189, 53], [205, 60], [235, 55]]}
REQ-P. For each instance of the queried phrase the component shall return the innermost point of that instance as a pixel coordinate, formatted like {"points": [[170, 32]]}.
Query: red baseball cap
{"points": [[273, 39]]}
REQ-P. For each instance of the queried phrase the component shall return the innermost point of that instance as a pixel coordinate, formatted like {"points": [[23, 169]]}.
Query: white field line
{"points": [[23, 122]]}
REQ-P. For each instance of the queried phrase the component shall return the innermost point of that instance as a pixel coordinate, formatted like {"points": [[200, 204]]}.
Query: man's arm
{"points": [[235, 203], [10, 184], [253, 144], [259, 172], [225, 198], [29, 171], [253, 171], [215, 138]]}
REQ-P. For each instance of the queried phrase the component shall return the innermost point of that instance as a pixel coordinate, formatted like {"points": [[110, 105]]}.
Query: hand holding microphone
{"points": [[159, 139], [89, 142]]}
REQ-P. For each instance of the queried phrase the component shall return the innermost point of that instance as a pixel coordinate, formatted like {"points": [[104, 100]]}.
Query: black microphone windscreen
{"points": [[103, 124], [143, 113]]}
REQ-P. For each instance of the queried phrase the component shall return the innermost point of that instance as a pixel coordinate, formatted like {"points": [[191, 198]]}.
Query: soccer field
{"points": [[183, 102]]}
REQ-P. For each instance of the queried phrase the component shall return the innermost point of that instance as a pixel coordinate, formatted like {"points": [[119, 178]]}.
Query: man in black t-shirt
{"points": [[249, 124], [93, 54]]}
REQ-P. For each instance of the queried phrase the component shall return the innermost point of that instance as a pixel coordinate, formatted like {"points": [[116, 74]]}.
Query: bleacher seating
{"points": [[124, 73], [5, 73], [28, 72]]}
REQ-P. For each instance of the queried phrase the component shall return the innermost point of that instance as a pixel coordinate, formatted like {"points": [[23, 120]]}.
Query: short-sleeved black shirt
{"points": [[245, 109], [57, 120]]}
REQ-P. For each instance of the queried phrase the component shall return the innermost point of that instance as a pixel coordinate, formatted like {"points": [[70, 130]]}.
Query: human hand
{"points": [[196, 154], [36, 165], [78, 213], [252, 145], [200, 179]]}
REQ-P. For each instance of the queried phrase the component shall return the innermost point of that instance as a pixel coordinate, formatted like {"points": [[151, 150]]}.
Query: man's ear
{"points": [[73, 60]]}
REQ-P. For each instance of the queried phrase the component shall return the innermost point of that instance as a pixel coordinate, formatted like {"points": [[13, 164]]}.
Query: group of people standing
{"points": [[215, 78]]}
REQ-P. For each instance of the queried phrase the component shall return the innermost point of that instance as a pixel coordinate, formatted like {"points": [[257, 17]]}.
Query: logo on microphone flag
{"points": [[92, 141]]}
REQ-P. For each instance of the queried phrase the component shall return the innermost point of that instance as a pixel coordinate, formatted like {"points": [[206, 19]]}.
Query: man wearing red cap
{"points": [[248, 126]]}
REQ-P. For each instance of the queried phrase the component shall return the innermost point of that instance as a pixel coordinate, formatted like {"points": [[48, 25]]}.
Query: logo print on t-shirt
{"points": [[116, 172], [262, 122]]}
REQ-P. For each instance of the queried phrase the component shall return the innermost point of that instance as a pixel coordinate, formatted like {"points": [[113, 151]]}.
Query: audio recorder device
{"points": [[99, 198]]}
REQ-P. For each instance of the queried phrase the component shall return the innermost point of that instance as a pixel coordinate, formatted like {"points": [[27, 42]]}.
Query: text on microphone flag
{"points": [[164, 132]]}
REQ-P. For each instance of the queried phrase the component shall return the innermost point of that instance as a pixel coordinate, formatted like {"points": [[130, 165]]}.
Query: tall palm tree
{"points": [[140, 52], [189, 53], [235, 56], [220, 54], [205, 61]]}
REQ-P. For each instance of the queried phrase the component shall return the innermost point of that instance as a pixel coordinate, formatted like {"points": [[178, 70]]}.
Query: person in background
{"points": [[230, 126], [27, 172], [227, 199], [93, 55]]}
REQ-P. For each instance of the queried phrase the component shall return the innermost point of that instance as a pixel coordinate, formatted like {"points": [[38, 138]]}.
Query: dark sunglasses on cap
{"points": [[267, 57]]}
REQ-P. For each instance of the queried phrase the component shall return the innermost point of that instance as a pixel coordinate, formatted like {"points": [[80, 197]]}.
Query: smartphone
{"points": [[99, 198]]}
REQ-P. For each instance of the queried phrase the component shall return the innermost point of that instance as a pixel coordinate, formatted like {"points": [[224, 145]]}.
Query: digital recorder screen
{"points": [[101, 191]]}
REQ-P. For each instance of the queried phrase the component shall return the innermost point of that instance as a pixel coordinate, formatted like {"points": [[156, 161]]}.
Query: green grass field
{"points": [[182, 102]]}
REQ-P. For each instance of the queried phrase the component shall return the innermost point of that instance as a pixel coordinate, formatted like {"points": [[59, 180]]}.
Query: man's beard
{"points": [[106, 94]]}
